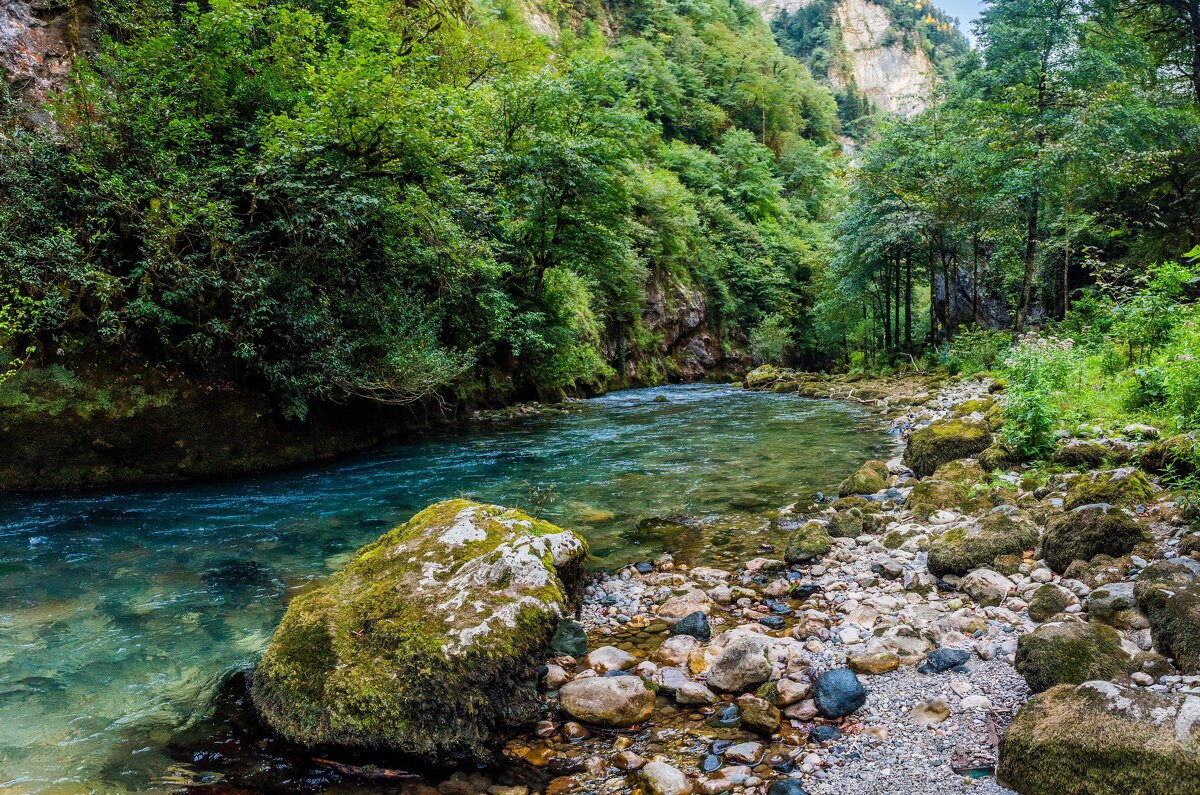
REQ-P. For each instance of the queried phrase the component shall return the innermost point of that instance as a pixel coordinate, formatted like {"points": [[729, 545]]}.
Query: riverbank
{"points": [[889, 644]]}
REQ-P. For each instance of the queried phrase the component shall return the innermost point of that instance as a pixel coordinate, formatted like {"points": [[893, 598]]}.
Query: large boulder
{"points": [[1080, 452], [1169, 593], [1071, 652], [427, 642], [943, 441], [987, 587], [612, 701], [1098, 738], [932, 495], [810, 540], [1125, 488], [1087, 531], [1004, 531], [870, 478], [1175, 455]]}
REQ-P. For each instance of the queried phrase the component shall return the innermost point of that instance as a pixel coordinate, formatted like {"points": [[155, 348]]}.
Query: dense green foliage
{"points": [[1065, 154], [325, 200]]}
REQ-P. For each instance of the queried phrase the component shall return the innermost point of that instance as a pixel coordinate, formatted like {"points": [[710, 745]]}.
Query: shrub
{"points": [[1035, 370], [975, 349]]}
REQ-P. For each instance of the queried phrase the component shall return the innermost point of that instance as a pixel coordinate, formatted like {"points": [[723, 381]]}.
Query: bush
{"points": [[1036, 370], [975, 350]]}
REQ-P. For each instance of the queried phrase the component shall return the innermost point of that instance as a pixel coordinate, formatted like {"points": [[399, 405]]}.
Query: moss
{"points": [[1007, 565], [1047, 601], [960, 550], [1080, 453], [964, 470], [942, 441], [1124, 487], [1079, 741], [870, 478], [846, 524], [1169, 593], [1087, 531], [810, 541], [930, 496], [1174, 455], [1071, 652], [996, 457], [397, 651], [974, 406]]}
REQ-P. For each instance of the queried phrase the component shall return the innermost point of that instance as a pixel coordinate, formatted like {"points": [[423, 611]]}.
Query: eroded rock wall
{"points": [[38, 43]]}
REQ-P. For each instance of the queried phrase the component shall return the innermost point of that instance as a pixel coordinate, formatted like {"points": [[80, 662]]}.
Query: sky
{"points": [[965, 10]]}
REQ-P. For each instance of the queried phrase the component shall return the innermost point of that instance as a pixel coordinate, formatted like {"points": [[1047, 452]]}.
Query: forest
{"points": [[330, 201]]}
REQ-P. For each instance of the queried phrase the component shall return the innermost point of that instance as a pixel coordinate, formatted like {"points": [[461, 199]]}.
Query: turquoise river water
{"points": [[121, 612]]}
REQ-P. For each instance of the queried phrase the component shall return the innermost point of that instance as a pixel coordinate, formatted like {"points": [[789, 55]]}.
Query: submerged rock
{"points": [[1169, 593], [570, 639], [427, 642], [1071, 652], [1102, 739], [1087, 531], [943, 441]]}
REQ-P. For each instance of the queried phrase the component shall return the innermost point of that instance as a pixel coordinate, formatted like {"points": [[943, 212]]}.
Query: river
{"points": [[120, 612]]}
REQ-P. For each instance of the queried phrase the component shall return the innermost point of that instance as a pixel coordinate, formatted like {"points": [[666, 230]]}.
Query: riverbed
{"points": [[121, 612]]}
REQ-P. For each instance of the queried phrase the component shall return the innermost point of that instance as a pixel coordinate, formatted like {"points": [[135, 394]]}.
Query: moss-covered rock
{"points": [[1003, 531], [980, 405], [1047, 601], [942, 441], [810, 540], [964, 470], [764, 376], [870, 478], [1124, 487], [931, 495], [1071, 652], [1174, 455], [1087, 531], [427, 641], [996, 457], [1169, 593], [1102, 739], [846, 524], [1080, 452]]}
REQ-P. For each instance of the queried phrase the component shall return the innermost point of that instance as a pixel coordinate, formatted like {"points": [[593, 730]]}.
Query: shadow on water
{"points": [[121, 611]]}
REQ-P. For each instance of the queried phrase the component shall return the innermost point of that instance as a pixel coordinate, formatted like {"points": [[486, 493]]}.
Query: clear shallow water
{"points": [[121, 612]]}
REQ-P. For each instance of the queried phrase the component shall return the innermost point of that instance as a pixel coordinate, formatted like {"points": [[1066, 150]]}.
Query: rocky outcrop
{"points": [[895, 79], [1099, 738], [427, 641], [39, 40]]}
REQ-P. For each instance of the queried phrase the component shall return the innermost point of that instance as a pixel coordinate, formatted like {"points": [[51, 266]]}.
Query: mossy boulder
{"points": [[962, 549], [964, 470], [427, 642], [1102, 739], [1174, 455], [809, 541], [1087, 531], [1080, 452], [996, 457], [1071, 652], [870, 478], [1124, 487], [1047, 601], [846, 524], [980, 405], [943, 441], [932, 495], [1169, 593]]}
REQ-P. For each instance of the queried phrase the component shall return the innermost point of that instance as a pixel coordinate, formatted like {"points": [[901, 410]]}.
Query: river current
{"points": [[122, 611]]}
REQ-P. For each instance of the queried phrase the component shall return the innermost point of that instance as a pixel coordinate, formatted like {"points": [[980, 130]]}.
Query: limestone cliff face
{"points": [[874, 58], [896, 80]]}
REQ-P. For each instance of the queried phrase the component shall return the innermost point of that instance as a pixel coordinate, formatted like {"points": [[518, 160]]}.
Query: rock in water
{"points": [[1071, 652], [1087, 531], [570, 639], [693, 624], [870, 478], [742, 664], [1102, 739], [943, 441], [1169, 592], [427, 641], [809, 541], [838, 693], [659, 778], [615, 701]]}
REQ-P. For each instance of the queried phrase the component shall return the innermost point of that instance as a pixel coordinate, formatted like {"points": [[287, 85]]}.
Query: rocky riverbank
{"points": [[892, 640]]}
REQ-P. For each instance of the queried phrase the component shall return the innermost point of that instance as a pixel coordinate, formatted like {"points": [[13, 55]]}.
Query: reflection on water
{"points": [[119, 612]]}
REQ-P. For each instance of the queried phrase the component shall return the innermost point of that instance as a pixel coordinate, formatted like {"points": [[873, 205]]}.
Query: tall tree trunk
{"points": [[896, 302], [908, 302], [1035, 200]]}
